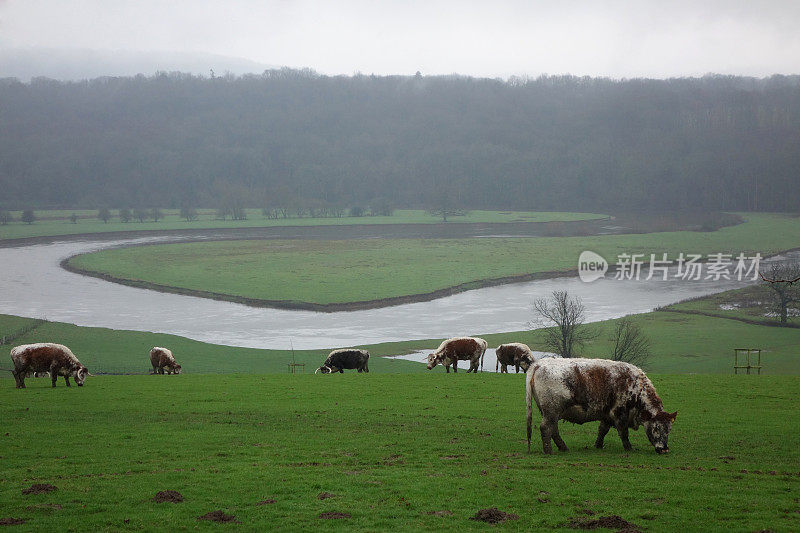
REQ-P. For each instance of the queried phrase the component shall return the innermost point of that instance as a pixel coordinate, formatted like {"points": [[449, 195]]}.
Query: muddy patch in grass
{"points": [[333, 515], [218, 516], [268, 501], [169, 496], [443, 512], [39, 488], [12, 521], [43, 507], [493, 515], [325, 495], [608, 522]]}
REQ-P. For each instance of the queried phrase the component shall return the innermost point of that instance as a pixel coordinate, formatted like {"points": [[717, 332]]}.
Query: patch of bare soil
{"points": [[11, 521], [325, 495], [268, 501], [42, 506], [443, 512], [218, 516], [39, 488], [170, 496], [609, 522], [493, 515], [332, 515]]}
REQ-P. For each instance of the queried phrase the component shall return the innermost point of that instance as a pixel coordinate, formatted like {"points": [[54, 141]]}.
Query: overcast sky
{"points": [[636, 38]]}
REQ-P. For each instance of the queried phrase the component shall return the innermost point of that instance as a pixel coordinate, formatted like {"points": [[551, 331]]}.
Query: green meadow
{"points": [[394, 451], [326, 272], [56, 222]]}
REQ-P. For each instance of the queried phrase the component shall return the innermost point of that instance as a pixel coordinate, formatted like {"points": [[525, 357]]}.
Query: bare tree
{"points": [[125, 215], [140, 214], [566, 333], [156, 214], [782, 278], [104, 214], [189, 214], [629, 343], [5, 217]]}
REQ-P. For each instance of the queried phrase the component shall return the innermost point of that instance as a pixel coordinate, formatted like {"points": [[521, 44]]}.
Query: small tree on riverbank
{"points": [[783, 280], [104, 214], [5, 217], [28, 216], [629, 344], [564, 317], [125, 215], [140, 214]]}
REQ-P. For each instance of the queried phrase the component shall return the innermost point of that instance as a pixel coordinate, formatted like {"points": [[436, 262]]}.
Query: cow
{"points": [[513, 353], [161, 359], [346, 358], [616, 394], [42, 357], [452, 350]]}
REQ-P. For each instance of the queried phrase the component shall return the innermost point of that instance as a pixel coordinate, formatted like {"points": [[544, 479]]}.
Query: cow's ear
{"points": [[673, 416]]}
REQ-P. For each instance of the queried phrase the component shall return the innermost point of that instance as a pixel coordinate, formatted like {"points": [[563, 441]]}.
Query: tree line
{"points": [[293, 139]]}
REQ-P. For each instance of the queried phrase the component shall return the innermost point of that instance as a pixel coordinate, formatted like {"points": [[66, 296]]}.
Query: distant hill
{"points": [[300, 140], [27, 63]]}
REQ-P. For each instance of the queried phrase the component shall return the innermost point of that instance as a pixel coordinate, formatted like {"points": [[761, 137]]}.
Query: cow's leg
{"points": [[622, 429], [547, 433], [455, 365], [66, 380], [53, 376], [558, 440], [516, 369], [601, 434], [19, 378]]}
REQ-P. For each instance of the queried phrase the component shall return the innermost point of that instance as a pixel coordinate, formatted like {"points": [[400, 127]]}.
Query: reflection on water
{"points": [[32, 284]]}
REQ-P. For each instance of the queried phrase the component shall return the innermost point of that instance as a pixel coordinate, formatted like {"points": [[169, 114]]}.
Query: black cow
{"points": [[348, 358]]}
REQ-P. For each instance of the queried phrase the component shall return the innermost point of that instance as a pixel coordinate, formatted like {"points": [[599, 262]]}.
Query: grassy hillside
{"points": [[56, 222], [325, 272], [397, 452]]}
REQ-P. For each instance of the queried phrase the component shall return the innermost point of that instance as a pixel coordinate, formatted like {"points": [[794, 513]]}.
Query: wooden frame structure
{"points": [[748, 354]]}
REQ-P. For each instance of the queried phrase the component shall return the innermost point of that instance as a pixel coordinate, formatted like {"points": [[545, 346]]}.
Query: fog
{"points": [[617, 39]]}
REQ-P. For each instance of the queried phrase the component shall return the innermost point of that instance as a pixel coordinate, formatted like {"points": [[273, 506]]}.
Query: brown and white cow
{"points": [[458, 348], [616, 394], [161, 359], [42, 357], [513, 353]]}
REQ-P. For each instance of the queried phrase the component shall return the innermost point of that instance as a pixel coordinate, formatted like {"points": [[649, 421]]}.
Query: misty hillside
{"points": [[294, 136], [77, 64]]}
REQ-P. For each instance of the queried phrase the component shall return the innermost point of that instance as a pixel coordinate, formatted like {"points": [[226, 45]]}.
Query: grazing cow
{"points": [[42, 357], [616, 394], [347, 358], [161, 359], [452, 350], [513, 353]]}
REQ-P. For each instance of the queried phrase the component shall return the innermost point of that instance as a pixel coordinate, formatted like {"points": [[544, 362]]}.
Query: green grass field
{"points": [[392, 449], [56, 222], [325, 272]]}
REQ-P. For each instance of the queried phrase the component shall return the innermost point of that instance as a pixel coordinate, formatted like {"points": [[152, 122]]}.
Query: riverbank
{"points": [[332, 276]]}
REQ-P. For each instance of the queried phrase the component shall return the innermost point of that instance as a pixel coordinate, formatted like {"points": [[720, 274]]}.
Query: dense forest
{"points": [[293, 137]]}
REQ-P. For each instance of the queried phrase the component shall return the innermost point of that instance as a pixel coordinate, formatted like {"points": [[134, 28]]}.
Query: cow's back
{"points": [[160, 356], [39, 357]]}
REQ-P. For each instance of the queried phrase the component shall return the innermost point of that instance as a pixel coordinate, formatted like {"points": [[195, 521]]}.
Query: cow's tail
{"points": [[529, 403], [485, 345]]}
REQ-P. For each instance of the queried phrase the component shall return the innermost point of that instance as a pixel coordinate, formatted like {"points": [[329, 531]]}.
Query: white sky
{"points": [[636, 38]]}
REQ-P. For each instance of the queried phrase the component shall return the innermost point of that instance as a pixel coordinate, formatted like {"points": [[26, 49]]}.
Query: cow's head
{"points": [[325, 369], [525, 362], [434, 360], [658, 427], [79, 372], [176, 368]]}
